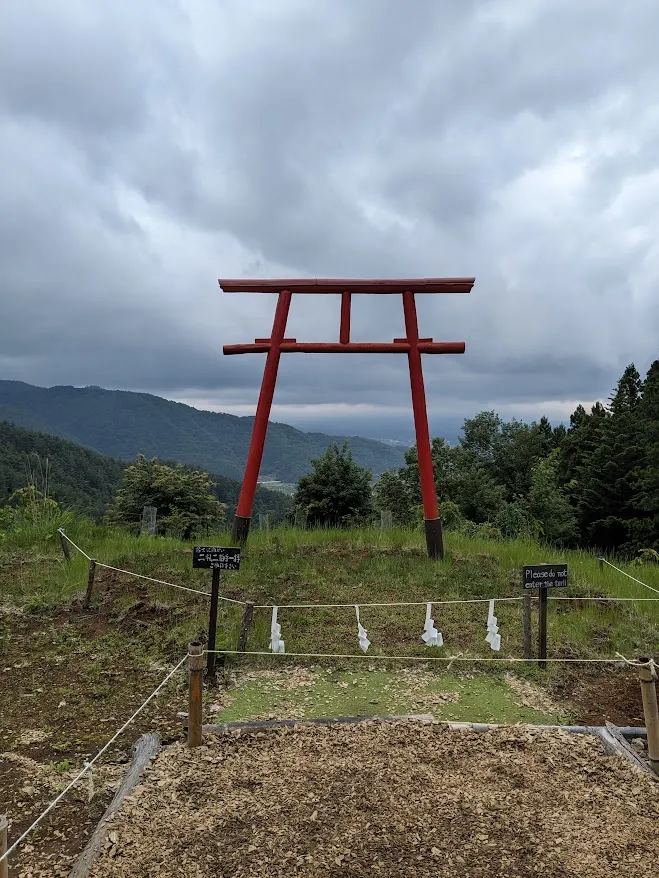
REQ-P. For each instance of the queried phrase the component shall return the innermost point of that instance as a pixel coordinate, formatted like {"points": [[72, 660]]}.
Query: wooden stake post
{"points": [[212, 623], [526, 623], [66, 548], [542, 629], [90, 583], [214, 558], [4, 864], [245, 624], [196, 684], [544, 577], [648, 676]]}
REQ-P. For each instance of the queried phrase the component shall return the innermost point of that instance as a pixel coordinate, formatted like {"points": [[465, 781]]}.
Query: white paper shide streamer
{"points": [[362, 634], [493, 637], [431, 636], [276, 643]]}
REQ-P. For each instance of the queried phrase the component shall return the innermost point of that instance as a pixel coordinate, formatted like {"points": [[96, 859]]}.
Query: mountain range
{"points": [[123, 424]]}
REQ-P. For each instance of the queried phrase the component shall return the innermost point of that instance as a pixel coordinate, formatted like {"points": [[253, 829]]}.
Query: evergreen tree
{"points": [[337, 491], [582, 439], [558, 436], [644, 528], [549, 505], [610, 473]]}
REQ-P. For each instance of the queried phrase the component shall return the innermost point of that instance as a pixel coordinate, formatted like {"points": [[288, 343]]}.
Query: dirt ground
{"points": [[68, 679], [387, 800]]}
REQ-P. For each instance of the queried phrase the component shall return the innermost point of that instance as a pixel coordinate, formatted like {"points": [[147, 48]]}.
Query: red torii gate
{"points": [[412, 345]]}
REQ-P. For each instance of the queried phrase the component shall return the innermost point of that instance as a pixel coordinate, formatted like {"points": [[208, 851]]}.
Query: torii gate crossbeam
{"points": [[412, 345]]}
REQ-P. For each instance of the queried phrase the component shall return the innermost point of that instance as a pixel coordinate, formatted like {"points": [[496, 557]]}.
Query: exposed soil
{"points": [[387, 800], [597, 696], [64, 693]]}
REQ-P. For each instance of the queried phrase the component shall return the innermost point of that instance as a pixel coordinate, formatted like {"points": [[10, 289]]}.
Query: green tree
{"points": [[513, 519], [181, 495], [392, 492], [644, 528], [549, 505], [611, 471], [583, 438], [337, 491]]}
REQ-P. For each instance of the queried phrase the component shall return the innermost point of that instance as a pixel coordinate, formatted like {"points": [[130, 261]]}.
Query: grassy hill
{"points": [[123, 425], [84, 481]]}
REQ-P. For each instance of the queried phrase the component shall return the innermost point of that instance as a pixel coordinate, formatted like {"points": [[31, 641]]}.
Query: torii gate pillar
{"points": [[411, 344]]}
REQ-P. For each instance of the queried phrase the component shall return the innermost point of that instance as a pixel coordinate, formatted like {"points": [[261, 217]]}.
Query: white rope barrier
{"points": [[334, 606], [89, 764], [161, 581], [644, 584], [69, 540], [589, 598], [392, 604], [420, 658], [142, 576]]}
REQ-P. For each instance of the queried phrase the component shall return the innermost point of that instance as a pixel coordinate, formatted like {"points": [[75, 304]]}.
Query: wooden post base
{"points": [[434, 538], [240, 530]]}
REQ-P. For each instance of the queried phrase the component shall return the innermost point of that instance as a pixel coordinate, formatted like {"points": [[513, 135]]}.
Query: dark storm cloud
{"points": [[149, 148]]}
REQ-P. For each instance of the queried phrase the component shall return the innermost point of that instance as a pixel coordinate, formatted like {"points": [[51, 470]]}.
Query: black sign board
{"points": [[216, 558], [544, 576]]}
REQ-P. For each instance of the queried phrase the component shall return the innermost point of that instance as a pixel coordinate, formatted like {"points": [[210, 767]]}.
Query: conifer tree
{"points": [[610, 472]]}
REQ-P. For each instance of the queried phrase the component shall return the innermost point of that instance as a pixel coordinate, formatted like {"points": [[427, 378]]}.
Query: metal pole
{"points": [[196, 683], [433, 524], [212, 624], [4, 864], [648, 677], [542, 629], [243, 514]]}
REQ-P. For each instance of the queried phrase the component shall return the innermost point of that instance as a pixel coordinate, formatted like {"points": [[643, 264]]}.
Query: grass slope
{"points": [[123, 424], [355, 567]]}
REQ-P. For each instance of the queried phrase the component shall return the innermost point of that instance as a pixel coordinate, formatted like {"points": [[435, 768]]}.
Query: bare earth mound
{"points": [[388, 800]]}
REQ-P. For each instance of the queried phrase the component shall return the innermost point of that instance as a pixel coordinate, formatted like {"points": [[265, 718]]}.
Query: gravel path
{"points": [[388, 800]]}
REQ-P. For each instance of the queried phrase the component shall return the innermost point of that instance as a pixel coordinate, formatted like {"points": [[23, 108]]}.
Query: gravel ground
{"points": [[388, 800]]}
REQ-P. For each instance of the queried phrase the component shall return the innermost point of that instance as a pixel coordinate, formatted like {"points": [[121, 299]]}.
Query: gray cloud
{"points": [[150, 148]]}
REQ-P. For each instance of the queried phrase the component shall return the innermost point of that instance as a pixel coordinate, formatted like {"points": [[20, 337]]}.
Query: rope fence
{"points": [[88, 764], [160, 581], [644, 584], [330, 606], [618, 660]]}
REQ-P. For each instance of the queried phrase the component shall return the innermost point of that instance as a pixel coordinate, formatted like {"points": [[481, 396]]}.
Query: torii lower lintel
{"points": [[412, 345]]}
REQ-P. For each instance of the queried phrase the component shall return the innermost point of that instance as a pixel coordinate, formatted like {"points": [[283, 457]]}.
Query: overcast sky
{"points": [[148, 148]]}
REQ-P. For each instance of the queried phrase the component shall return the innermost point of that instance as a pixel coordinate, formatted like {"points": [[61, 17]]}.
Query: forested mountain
{"points": [[594, 484], [85, 481], [79, 479], [123, 425]]}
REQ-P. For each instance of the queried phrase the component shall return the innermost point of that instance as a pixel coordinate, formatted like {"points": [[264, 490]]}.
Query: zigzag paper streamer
{"points": [[276, 643], [431, 636], [493, 637], [362, 634]]}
